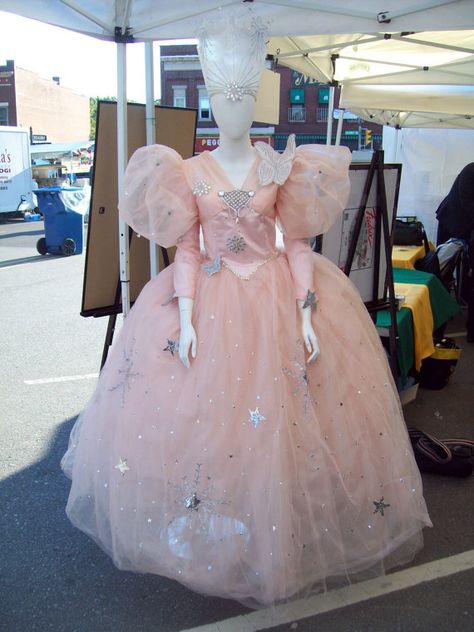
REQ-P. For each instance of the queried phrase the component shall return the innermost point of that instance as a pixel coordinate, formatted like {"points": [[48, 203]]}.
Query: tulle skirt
{"points": [[251, 475]]}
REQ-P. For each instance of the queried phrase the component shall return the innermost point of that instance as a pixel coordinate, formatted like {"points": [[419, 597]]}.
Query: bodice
{"points": [[238, 225]]}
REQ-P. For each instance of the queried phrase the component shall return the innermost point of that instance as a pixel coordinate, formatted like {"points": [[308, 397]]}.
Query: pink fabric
{"points": [[252, 475], [156, 200], [316, 191]]}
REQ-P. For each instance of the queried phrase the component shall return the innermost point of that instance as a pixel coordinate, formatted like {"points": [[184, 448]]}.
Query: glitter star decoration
{"points": [[236, 243], [310, 300], [213, 267], [256, 417], [171, 346], [201, 188], [122, 466], [380, 506], [194, 496], [127, 374]]}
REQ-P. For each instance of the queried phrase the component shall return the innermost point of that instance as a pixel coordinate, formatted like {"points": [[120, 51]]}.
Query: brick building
{"points": [[303, 105], [42, 105]]}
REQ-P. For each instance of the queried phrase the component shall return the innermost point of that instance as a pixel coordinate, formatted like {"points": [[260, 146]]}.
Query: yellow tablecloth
{"points": [[417, 298], [405, 256]]}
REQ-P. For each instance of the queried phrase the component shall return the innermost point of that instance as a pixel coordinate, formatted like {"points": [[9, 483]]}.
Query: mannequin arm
{"points": [[300, 261]]}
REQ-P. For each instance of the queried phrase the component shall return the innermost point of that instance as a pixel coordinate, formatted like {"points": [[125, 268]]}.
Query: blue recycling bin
{"points": [[63, 228]]}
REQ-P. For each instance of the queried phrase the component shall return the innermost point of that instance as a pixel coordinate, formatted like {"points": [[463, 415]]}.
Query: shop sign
{"points": [[299, 80], [208, 143]]}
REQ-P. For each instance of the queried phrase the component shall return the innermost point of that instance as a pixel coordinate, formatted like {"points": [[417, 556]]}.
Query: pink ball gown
{"points": [[252, 475]]}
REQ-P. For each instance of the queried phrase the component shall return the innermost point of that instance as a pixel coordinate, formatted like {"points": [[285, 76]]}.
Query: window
{"points": [[322, 113], [297, 114], [179, 96], [204, 105], [3, 113]]}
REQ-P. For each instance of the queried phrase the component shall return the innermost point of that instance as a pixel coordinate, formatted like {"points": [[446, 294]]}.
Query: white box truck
{"points": [[15, 170]]}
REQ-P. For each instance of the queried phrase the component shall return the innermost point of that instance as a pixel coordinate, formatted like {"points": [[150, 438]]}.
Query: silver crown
{"points": [[232, 53]]}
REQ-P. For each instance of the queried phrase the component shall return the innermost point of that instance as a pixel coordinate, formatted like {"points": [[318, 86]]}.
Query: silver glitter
{"points": [[236, 201], [122, 466], [236, 243], [256, 417], [380, 506], [300, 375], [310, 300], [171, 346], [193, 496], [213, 267], [127, 373], [201, 188]]}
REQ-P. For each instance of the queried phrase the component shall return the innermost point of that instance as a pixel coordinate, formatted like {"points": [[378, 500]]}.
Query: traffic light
{"points": [[367, 137]]}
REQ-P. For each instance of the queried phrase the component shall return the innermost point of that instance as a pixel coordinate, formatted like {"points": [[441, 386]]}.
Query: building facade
{"points": [[51, 112], [303, 106]]}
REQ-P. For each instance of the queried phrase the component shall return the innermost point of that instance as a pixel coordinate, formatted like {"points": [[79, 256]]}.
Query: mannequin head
{"points": [[233, 118]]}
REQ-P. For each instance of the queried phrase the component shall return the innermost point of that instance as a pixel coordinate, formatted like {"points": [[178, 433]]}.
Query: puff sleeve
{"points": [[308, 203], [315, 192], [157, 201]]}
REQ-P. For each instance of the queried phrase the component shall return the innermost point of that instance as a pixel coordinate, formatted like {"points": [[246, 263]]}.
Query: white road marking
{"points": [[65, 378], [325, 602]]}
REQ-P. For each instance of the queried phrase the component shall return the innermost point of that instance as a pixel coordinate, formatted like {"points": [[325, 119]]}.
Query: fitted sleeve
{"points": [[315, 192], [157, 201]]}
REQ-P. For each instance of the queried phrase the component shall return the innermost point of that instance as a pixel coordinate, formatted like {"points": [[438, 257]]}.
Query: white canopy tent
{"points": [[126, 21], [411, 106]]}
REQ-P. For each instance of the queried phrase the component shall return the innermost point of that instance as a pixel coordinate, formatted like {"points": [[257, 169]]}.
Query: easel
{"points": [[109, 334], [376, 170]]}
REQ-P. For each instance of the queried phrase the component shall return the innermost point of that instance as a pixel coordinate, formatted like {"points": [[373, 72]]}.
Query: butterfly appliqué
{"points": [[275, 167]]}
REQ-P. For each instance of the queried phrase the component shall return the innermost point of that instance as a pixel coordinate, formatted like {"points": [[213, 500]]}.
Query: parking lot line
{"points": [[65, 378], [334, 599]]}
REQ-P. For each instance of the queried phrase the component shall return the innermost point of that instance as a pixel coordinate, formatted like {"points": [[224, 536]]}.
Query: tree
{"points": [[93, 112]]}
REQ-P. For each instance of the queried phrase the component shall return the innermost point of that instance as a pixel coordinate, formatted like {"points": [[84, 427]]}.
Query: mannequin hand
{"points": [[309, 336], [187, 335], [187, 338], [310, 341]]}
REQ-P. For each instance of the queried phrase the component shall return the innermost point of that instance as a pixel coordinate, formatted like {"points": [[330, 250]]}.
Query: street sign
{"points": [[39, 138]]}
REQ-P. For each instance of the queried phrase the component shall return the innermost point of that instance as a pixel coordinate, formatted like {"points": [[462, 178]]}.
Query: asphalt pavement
{"points": [[53, 578]]}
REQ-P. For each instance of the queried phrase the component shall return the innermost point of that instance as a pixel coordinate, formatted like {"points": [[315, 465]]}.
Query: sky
{"points": [[84, 64]]}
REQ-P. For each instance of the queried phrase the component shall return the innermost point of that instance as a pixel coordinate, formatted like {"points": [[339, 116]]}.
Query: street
{"points": [[53, 578]]}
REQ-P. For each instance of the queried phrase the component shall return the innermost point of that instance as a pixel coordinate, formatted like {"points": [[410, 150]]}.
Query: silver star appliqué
{"points": [[122, 466], [310, 300], [171, 346], [380, 506], [256, 417], [213, 267]]}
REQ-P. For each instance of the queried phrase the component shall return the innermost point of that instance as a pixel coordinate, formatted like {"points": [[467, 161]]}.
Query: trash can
{"points": [[63, 227]]}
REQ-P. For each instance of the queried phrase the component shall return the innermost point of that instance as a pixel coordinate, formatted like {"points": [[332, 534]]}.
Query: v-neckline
{"points": [[226, 177]]}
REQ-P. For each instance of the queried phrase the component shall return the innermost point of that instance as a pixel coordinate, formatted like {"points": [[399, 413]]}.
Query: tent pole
{"points": [[150, 133], [340, 122], [330, 115], [122, 155]]}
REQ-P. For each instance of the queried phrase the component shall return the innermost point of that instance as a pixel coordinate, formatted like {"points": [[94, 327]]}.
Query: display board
{"points": [[176, 128], [336, 241]]}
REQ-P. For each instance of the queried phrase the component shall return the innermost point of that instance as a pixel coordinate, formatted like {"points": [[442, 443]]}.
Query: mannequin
{"points": [[245, 470], [235, 155]]}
